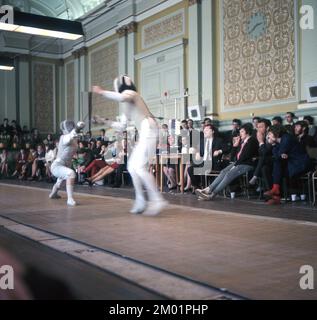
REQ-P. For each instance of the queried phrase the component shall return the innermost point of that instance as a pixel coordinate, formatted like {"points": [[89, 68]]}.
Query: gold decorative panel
{"points": [[43, 96], [259, 60], [70, 87], [104, 69], [163, 29]]}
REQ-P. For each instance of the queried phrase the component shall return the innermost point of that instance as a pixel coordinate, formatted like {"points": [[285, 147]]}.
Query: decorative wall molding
{"points": [[166, 28], [80, 52], [70, 90], [103, 69], [258, 71], [122, 31], [44, 104], [132, 27], [176, 43]]}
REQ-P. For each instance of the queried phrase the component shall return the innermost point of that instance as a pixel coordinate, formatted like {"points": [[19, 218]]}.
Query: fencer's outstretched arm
{"points": [[111, 95], [67, 138], [129, 96]]}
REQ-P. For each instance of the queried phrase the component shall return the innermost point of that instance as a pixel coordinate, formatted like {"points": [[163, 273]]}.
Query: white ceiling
{"points": [[64, 9]]}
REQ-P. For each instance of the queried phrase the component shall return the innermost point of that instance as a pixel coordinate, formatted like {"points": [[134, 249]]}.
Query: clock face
{"points": [[256, 26]]}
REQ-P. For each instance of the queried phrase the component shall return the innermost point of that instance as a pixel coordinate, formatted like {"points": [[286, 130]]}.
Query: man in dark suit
{"points": [[265, 164], [235, 132], [289, 160], [209, 156], [301, 133], [290, 122], [245, 149], [5, 128]]}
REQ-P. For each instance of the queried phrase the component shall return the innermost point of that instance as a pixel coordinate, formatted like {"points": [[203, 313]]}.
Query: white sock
{"points": [[70, 190], [53, 194]]}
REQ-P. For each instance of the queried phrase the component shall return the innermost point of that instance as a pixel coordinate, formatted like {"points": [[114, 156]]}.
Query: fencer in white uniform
{"points": [[61, 167], [145, 150]]}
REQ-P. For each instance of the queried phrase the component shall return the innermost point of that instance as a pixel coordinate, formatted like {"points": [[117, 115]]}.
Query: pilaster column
{"points": [[123, 62], [80, 56], [131, 34], [194, 52], [24, 90], [207, 55]]}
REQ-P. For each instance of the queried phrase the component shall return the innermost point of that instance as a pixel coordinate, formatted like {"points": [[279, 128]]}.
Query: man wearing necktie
{"points": [[209, 156], [245, 149]]}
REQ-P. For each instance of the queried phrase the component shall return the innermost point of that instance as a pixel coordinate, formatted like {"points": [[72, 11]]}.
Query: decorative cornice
{"points": [[127, 29], [192, 2], [83, 51], [122, 31], [132, 27]]}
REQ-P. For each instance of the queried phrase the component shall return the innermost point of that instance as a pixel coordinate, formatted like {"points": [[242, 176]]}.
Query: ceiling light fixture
{"points": [[6, 64], [43, 26]]}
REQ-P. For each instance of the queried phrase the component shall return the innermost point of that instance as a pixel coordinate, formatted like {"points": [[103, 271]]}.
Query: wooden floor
{"points": [[246, 251], [82, 280]]}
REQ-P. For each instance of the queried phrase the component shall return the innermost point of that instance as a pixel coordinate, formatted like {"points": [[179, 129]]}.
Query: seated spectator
{"points": [[255, 122], [122, 166], [229, 135], [20, 162], [5, 128], [265, 164], [38, 164], [208, 158], [97, 150], [290, 122], [170, 167], [163, 136], [27, 168], [187, 157], [78, 159], [49, 159], [111, 165], [245, 149], [13, 154], [312, 129], [277, 121], [301, 133], [35, 137], [289, 160], [15, 128], [87, 157], [102, 136], [4, 166], [50, 139], [97, 163]]}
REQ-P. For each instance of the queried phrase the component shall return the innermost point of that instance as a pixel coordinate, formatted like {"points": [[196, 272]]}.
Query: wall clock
{"points": [[256, 25]]}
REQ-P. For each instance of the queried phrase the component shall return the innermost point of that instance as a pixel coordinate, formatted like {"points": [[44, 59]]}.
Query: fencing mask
{"points": [[67, 126], [123, 83]]}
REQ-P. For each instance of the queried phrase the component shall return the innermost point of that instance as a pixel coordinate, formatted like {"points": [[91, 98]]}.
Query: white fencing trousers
{"points": [[143, 154], [62, 172]]}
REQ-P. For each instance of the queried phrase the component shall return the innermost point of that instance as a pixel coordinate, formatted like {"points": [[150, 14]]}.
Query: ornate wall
{"points": [[44, 97], [259, 55], [103, 70], [70, 90], [163, 29]]}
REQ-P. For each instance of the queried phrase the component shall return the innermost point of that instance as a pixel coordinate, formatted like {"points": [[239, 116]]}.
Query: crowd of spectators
{"points": [[267, 150]]}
